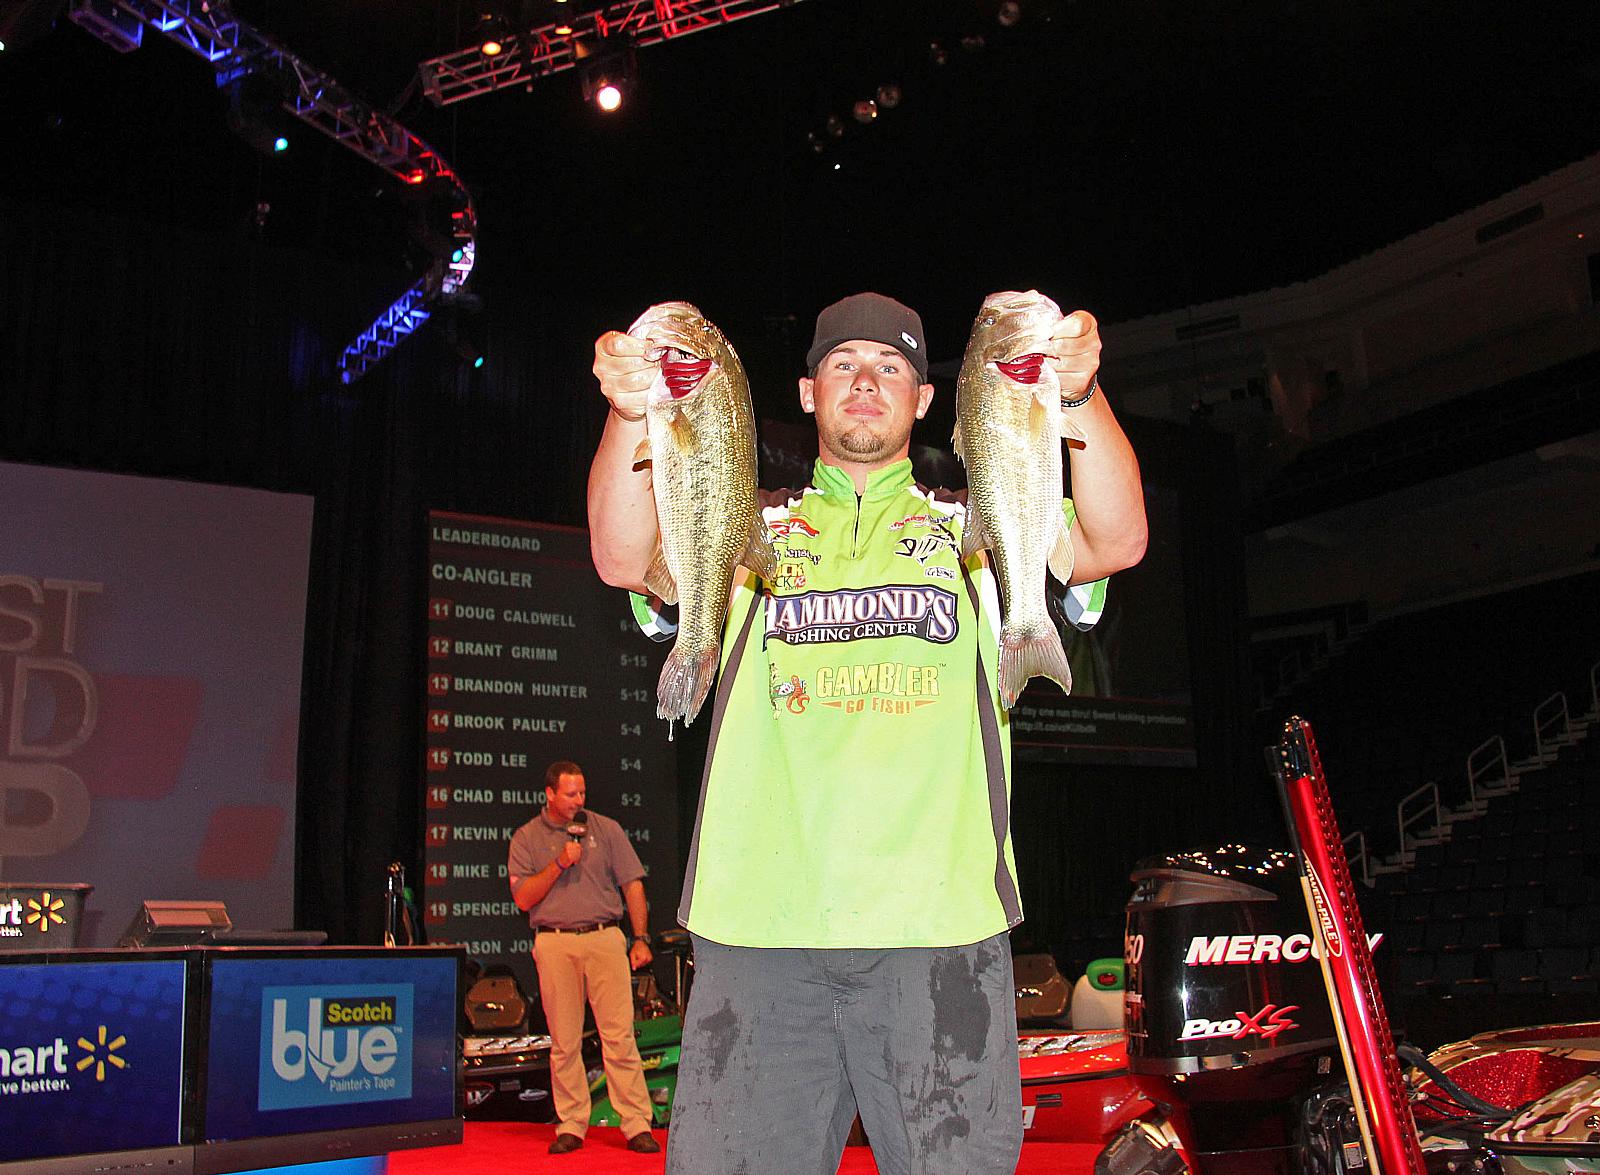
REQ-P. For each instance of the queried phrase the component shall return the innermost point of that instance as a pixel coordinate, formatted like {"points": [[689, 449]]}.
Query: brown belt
{"points": [[590, 929]]}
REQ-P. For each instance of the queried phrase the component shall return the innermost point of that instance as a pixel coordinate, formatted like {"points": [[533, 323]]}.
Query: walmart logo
{"points": [[46, 1068], [101, 1052], [44, 911], [335, 1044]]}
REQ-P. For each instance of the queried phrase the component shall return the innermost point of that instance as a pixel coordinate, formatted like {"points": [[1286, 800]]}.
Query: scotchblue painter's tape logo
{"points": [[334, 1044]]}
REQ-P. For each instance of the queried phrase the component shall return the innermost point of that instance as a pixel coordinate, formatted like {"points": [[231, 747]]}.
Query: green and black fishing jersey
{"points": [[857, 788]]}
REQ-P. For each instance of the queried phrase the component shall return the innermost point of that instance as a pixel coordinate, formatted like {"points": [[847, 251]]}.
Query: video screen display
{"points": [[150, 653], [91, 1057], [310, 1044]]}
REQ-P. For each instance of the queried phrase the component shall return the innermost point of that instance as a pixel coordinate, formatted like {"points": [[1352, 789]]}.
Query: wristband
{"points": [[1094, 385], [644, 938]]}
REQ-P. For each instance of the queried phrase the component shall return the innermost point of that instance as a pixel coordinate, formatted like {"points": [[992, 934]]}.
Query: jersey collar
{"points": [[883, 483]]}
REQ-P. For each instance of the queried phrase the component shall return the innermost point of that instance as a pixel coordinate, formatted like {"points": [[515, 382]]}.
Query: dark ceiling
{"points": [[1127, 155]]}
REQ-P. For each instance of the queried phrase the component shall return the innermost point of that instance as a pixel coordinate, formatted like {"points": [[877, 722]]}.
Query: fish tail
{"points": [[685, 680], [1031, 653]]}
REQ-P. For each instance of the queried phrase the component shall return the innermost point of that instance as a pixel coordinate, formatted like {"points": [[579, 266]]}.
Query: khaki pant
{"points": [[593, 967]]}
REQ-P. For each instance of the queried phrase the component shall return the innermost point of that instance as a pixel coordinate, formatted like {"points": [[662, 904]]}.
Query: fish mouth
{"points": [[677, 332], [682, 371], [1024, 369]]}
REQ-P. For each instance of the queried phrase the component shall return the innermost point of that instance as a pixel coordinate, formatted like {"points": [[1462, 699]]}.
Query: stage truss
{"points": [[542, 51], [234, 50]]}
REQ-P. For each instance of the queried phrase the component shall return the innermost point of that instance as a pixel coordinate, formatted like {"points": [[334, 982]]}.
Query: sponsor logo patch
{"points": [[886, 687], [791, 575], [917, 610], [791, 693], [923, 547], [784, 527]]}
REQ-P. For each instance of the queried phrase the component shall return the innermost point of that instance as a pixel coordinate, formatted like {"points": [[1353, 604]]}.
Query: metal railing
{"points": [[1405, 820], [1355, 851], [1479, 767], [1552, 725]]}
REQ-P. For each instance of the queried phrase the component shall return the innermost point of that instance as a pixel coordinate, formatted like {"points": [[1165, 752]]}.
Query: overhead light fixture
{"points": [[889, 95], [865, 110], [606, 70], [254, 100], [1009, 13], [492, 32]]}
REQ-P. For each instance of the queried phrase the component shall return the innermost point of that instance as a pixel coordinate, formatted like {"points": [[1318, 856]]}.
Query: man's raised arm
{"points": [[622, 512], [1110, 533]]}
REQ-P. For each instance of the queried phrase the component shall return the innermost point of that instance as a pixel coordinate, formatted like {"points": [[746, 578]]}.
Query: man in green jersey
{"points": [[851, 883]]}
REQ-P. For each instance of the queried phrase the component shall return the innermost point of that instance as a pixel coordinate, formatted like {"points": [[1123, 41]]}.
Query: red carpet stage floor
{"points": [[515, 1148]]}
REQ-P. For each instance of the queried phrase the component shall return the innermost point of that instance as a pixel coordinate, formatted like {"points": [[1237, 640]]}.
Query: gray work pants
{"points": [[782, 1047]]}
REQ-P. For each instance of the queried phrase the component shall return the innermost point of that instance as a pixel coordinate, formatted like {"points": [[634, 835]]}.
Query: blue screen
{"points": [[91, 1057], [299, 1045]]}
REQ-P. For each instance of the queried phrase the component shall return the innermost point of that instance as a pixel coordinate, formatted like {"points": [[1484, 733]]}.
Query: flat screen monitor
{"points": [[92, 1063], [326, 1054]]}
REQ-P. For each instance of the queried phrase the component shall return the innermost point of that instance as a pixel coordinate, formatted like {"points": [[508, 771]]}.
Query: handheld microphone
{"points": [[578, 826]]}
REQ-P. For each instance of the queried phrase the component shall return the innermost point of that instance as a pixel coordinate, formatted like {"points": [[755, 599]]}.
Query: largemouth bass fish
{"points": [[1009, 426], [701, 438]]}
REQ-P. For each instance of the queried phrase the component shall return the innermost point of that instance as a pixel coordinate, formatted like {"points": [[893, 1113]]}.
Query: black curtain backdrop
{"points": [[143, 351]]}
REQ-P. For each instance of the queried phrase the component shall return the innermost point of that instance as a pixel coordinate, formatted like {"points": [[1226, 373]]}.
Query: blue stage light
{"points": [[478, 362], [280, 144]]}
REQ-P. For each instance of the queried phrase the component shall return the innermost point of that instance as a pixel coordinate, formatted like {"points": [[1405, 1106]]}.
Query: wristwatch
{"points": [[644, 938]]}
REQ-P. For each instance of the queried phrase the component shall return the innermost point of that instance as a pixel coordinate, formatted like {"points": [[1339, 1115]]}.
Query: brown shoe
{"points": [[565, 1144], [644, 1143]]}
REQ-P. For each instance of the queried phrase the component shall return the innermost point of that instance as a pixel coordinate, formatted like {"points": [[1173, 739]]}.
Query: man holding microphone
{"points": [[574, 871]]}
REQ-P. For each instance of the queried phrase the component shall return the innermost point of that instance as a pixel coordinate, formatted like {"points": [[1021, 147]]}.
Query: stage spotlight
{"points": [[491, 33], [835, 126], [465, 331], [865, 111], [816, 142], [889, 95], [937, 54], [253, 102], [972, 42], [1009, 14], [606, 71]]}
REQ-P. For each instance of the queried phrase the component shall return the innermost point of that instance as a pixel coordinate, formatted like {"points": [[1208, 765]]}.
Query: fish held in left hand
{"points": [[1009, 426], [701, 444]]}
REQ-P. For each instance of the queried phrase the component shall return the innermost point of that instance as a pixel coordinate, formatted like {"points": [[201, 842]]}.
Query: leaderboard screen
{"points": [[91, 1057], [315, 1043], [531, 658]]}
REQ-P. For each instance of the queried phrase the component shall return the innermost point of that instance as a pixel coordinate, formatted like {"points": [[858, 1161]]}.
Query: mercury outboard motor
{"points": [[1229, 1026]]}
